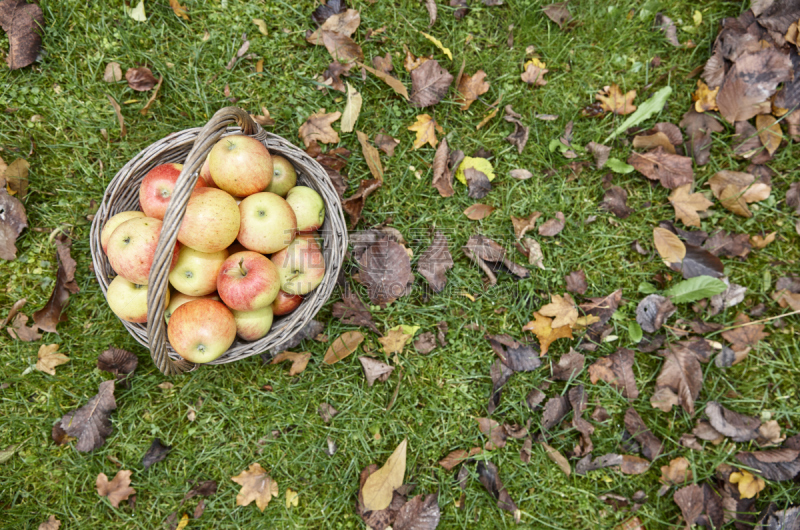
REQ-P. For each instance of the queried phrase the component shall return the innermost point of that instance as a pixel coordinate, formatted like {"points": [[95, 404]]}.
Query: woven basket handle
{"points": [[158, 283]]}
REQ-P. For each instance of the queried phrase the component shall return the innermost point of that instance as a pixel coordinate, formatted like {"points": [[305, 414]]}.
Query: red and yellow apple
{"points": [[301, 266], [308, 206], [285, 303], [205, 174], [240, 165], [195, 272], [268, 223], [156, 189], [201, 330], [248, 281], [113, 223], [128, 300], [211, 221], [132, 247], [253, 325], [177, 299], [284, 177]]}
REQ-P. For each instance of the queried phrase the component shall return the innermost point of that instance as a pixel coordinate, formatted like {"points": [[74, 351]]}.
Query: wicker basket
{"points": [[190, 148]]}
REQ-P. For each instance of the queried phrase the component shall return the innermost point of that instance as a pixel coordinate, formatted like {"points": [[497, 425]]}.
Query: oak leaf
{"points": [[613, 100], [116, 490], [343, 346], [426, 128], [299, 360], [379, 486], [562, 308], [49, 358], [542, 327], [687, 205], [470, 87], [318, 128], [256, 486]]}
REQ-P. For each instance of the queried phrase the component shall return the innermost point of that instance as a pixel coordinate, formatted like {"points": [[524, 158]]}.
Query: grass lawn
{"points": [[77, 149]]}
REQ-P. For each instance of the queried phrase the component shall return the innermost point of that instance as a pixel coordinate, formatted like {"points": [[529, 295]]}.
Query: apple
{"points": [[252, 325], [201, 330], [284, 177], [128, 300], [248, 281], [211, 221], [113, 223], [132, 247], [285, 303], [156, 189], [308, 208], [240, 165], [301, 265], [268, 223], [205, 174], [195, 273], [177, 299]]}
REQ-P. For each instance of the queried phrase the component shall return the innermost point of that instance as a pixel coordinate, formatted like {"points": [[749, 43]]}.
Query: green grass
{"points": [[440, 394]]}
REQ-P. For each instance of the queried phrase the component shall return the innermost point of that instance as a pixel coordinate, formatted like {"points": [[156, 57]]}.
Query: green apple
{"points": [[308, 206], [284, 177], [252, 325], [195, 273], [268, 223], [128, 300]]}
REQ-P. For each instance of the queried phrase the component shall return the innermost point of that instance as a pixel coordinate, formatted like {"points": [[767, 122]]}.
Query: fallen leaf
{"points": [[442, 175], [387, 144], [737, 427], [705, 99], [327, 10], [553, 227], [669, 246], [393, 82], [471, 87], [299, 360], [344, 23], [430, 5], [435, 261], [735, 190], [748, 485], [140, 79], [375, 370], [699, 128], [421, 512], [292, 498], [351, 111], [395, 340], [690, 500], [686, 206], [180, 11], [118, 489], [759, 242], [482, 250], [600, 153], [534, 73], [750, 82], [562, 308], [351, 310], [426, 128], [436, 42], [261, 24], [256, 486], [332, 76], [665, 24], [112, 73], [671, 170], [616, 370], [91, 423], [371, 155], [478, 211], [458, 456], [558, 458], [429, 84], [377, 519], [558, 13], [677, 472], [516, 356], [354, 204], [679, 382], [576, 282], [136, 13], [385, 269], [477, 182], [15, 176], [651, 446], [769, 132], [318, 128], [425, 343], [542, 327], [379, 486], [615, 201], [651, 141], [51, 524], [613, 100], [49, 358], [152, 98], [48, 317], [23, 24], [12, 223], [523, 224], [774, 464], [653, 105], [327, 412], [489, 476], [569, 366], [494, 431], [519, 138], [653, 311], [156, 453], [634, 465], [118, 111], [117, 362], [746, 335], [341, 47]]}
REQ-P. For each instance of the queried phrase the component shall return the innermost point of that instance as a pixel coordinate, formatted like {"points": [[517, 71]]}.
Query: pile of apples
{"points": [[247, 249]]}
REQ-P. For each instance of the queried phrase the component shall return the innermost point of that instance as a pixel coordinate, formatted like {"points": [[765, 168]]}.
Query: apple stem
{"points": [[293, 276], [241, 267]]}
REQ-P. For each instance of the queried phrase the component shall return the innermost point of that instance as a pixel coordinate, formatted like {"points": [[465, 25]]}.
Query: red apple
{"points": [[308, 206], [205, 174], [113, 223], [240, 165], [284, 177], [301, 265], [132, 247], [156, 189], [128, 300], [267, 224], [201, 330], [177, 299], [285, 303], [252, 325], [248, 281], [195, 273], [211, 221]]}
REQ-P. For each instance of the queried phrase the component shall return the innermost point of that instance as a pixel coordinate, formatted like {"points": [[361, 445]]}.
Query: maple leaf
{"points": [[118, 489], [686, 205], [704, 98], [534, 72], [379, 487], [426, 128], [299, 360], [49, 358], [613, 100], [395, 340], [256, 486], [562, 308], [318, 128], [748, 485], [470, 87], [542, 327]]}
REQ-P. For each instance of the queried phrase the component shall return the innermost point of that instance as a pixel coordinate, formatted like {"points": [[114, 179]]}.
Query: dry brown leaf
{"points": [[671, 170], [385, 269], [374, 370], [371, 155], [112, 73], [429, 84], [616, 370], [558, 13], [426, 128], [435, 261], [179, 10], [542, 327], [345, 23], [395, 340], [750, 82], [553, 227], [613, 100], [746, 335], [534, 73], [704, 98], [48, 317], [523, 224], [669, 246], [318, 128], [690, 500], [471, 87], [386, 143], [745, 185], [49, 358], [393, 82], [343, 346], [478, 211], [679, 382], [562, 308], [118, 111], [769, 132], [651, 141], [23, 24], [458, 456], [351, 110], [153, 97], [442, 175], [760, 242], [299, 360], [354, 204], [116, 490], [140, 79], [558, 458], [686, 205], [341, 47], [677, 472], [256, 486], [51, 524], [379, 487]]}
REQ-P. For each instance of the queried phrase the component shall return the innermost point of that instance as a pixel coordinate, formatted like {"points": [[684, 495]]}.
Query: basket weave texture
{"points": [[190, 148]]}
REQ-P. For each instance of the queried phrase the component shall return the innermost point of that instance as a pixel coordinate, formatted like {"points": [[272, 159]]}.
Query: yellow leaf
{"points": [[481, 164], [585, 321], [769, 132], [343, 346], [260, 66], [379, 486], [542, 328], [760, 242], [394, 341], [669, 246], [49, 359], [351, 110], [136, 13], [299, 360], [371, 155], [749, 486], [393, 82], [180, 12], [704, 98], [292, 498], [184, 522], [534, 72], [613, 100], [256, 486], [686, 205], [562, 308], [426, 128], [262, 26], [438, 44], [697, 18]]}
